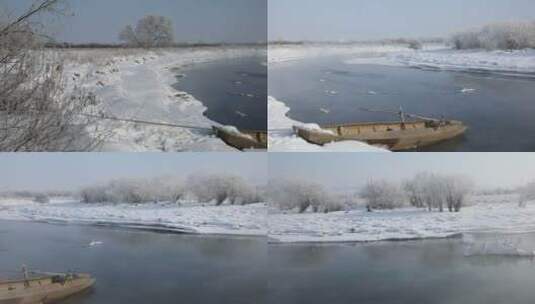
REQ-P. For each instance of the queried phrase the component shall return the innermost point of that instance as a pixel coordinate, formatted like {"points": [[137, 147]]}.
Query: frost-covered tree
{"points": [[151, 31], [135, 191], [221, 188], [415, 191], [380, 194], [435, 191], [456, 189], [302, 196], [128, 36], [503, 36]]}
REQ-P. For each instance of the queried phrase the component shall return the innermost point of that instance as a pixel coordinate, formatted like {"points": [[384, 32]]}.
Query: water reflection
{"points": [[430, 271], [142, 267]]}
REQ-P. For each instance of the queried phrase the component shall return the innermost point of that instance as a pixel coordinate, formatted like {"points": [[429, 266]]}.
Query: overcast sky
{"points": [[342, 170], [69, 171], [377, 19], [194, 20]]}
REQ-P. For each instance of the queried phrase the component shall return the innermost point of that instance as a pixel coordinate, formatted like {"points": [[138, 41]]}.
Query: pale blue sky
{"points": [[377, 19], [68, 171], [194, 20], [355, 169], [46, 171]]}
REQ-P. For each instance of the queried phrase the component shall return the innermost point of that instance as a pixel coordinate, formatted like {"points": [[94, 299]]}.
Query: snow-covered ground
{"points": [[137, 85], [520, 62], [431, 56], [279, 55], [283, 139], [486, 213], [188, 217], [494, 213]]}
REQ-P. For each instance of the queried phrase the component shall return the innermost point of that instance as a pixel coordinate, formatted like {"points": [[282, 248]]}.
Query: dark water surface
{"points": [[146, 267], [141, 267], [233, 90], [500, 111], [430, 272]]}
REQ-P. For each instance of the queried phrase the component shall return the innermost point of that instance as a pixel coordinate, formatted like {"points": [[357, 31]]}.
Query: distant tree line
{"points": [[425, 190], [411, 42], [205, 188], [66, 45], [42, 197]]}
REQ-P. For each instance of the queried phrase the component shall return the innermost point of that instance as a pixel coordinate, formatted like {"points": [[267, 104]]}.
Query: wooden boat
{"points": [[43, 288], [242, 139], [396, 136]]}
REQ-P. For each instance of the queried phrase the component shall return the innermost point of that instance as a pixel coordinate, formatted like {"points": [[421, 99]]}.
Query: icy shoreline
{"points": [[486, 214], [249, 220], [431, 56], [511, 63], [139, 86], [282, 138], [279, 55], [499, 214]]}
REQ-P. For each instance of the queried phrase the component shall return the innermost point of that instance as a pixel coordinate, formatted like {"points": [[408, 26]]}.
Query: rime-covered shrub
{"points": [[435, 191], [41, 199], [498, 36], [221, 188], [95, 194], [466, 40], [527, 193], [37, 113], [415, 45], [457, 189], [134, 191], [415, 189], [382, 195], [301, 196]]}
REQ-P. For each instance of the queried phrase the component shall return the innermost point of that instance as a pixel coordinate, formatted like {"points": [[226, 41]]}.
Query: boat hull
{"points": [[43, 290], [244, 141], [412, 135]]}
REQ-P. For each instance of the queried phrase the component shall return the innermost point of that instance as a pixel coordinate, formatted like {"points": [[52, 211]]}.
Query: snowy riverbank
{"points": [[432, 56], [189, 217], [283, 139], [497, 213], [513, 63], [492, 213], [137, 85], [278, 55]]}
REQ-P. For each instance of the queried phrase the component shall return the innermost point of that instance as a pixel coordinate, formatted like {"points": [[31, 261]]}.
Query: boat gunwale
{"points": [[393, 139], [253, 132], [44, 277], [366, 124], [18, 281]]}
